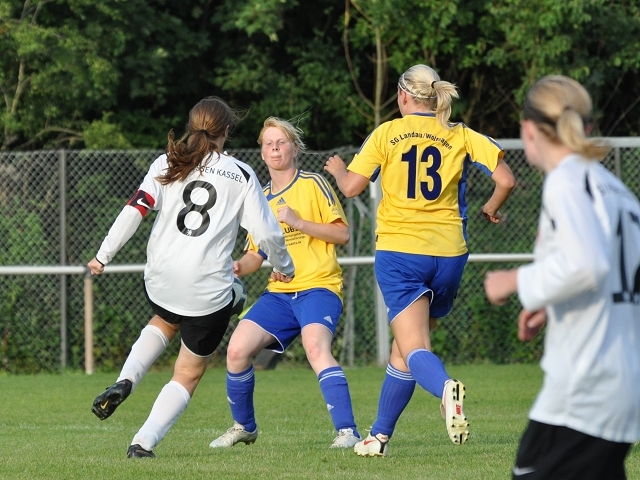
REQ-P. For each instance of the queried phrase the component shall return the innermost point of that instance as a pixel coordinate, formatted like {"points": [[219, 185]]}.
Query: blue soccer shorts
{"points": [[405, 277], [284, 315]]}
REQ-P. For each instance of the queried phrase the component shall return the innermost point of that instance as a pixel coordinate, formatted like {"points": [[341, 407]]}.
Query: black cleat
{"points": [[136, 451], [107, 402]]}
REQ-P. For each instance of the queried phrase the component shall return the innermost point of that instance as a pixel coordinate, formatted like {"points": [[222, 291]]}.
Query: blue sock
{"points": [[397, 389], [428, 370], [335, 391], [240, 395]]}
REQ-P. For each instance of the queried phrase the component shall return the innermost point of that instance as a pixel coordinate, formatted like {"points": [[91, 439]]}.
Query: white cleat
{"points": [[235, 434], [452, 412], [373, 446], [345, 439]]}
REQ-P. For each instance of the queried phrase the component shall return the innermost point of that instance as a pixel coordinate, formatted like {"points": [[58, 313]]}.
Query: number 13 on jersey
{"points": [[430, 160]]}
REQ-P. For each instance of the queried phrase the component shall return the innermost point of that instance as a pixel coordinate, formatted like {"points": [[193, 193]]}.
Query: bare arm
{"points": [[505, 181], [336, 232], [249, 263], [350, 184]]}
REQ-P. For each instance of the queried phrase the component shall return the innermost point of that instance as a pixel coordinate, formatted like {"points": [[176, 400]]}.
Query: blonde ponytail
{"points": [[424, 85], [560, 107]]}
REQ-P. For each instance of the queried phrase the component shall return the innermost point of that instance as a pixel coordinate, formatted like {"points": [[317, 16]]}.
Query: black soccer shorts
{"points": [[549, 452], [201, 335]]}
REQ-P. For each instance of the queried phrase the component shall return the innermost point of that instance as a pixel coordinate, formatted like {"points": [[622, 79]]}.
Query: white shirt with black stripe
{"points": [[189, 269], [586, 272]]}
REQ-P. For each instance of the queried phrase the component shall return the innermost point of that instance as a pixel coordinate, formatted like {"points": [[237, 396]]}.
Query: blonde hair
{"points": [[208, 121], [424, 85], [293, 133], [560, 107]]}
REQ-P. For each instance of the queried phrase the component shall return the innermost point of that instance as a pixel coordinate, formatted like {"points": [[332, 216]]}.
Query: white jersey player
{"points": [[189, 267], [202, 196], [585, 284]]}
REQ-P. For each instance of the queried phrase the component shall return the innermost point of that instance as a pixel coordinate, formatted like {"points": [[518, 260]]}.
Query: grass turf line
{"points": [[48, 432]]}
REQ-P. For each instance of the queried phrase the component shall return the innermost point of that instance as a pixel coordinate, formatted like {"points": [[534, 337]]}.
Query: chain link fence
{"points": [[57, 206]]}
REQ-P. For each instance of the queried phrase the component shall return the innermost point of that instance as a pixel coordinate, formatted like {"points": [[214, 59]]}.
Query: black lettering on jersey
{"points": [[203, 209], [229, 175], [142, 202]]}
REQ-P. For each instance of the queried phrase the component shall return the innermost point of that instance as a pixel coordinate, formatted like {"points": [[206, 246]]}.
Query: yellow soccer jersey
{"points": [[313, 199], [424, 171]]}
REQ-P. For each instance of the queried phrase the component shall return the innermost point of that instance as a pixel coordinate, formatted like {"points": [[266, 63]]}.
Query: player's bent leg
{"points": [[246, 341], [316, 340], [428, 370], [153, 340], [172, 400]]}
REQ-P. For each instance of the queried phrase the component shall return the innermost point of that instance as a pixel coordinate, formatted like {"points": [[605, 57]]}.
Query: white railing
{"points": [[139, 268]]}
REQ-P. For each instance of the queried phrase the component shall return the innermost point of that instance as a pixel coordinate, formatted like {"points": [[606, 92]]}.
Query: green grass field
{"points": [[48, 432]]}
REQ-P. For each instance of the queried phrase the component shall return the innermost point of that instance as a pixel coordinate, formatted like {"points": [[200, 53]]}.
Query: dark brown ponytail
{"points": [[207, 126]]}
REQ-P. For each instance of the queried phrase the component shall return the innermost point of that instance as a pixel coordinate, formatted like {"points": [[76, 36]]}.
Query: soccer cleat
{"points": [[235, 434], [345, 439], [107, 402], [136, 451], [373, 446], [451, 410]]}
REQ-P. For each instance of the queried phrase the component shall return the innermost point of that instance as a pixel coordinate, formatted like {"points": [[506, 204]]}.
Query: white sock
{"points": [[151, 343], [171, 402]]}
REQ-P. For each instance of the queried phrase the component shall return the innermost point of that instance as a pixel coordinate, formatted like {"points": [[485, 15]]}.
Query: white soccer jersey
{"points": [[586, 273], [189, 268]]}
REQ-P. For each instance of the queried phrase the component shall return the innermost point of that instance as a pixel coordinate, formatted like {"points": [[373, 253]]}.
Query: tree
{"points": [[283, 58], [120, 68], [394, 34], [597, 42], [53, 74]]}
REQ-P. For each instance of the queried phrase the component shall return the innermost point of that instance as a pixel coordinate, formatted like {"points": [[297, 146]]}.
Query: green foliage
{"points": [[74, 70], [594, 41], [104, 135]]}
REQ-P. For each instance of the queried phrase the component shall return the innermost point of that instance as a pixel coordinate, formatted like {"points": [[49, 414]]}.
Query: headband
{"points": [[406, 89]]}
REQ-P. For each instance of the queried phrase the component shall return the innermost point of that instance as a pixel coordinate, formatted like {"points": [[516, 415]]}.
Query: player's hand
{"points": [[335, 166], [237, 268], [280, 277], [530, 323], [499, 284], [289, 217], [493, 217], [95, 266]]}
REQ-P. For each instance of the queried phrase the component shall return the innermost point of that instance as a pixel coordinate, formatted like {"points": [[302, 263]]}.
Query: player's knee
{"points": [[316, 352], [238, 353]]}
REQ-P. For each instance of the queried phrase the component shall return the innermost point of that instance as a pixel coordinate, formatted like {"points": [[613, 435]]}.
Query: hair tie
{"points": [[569, 108], [433, 84]]}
